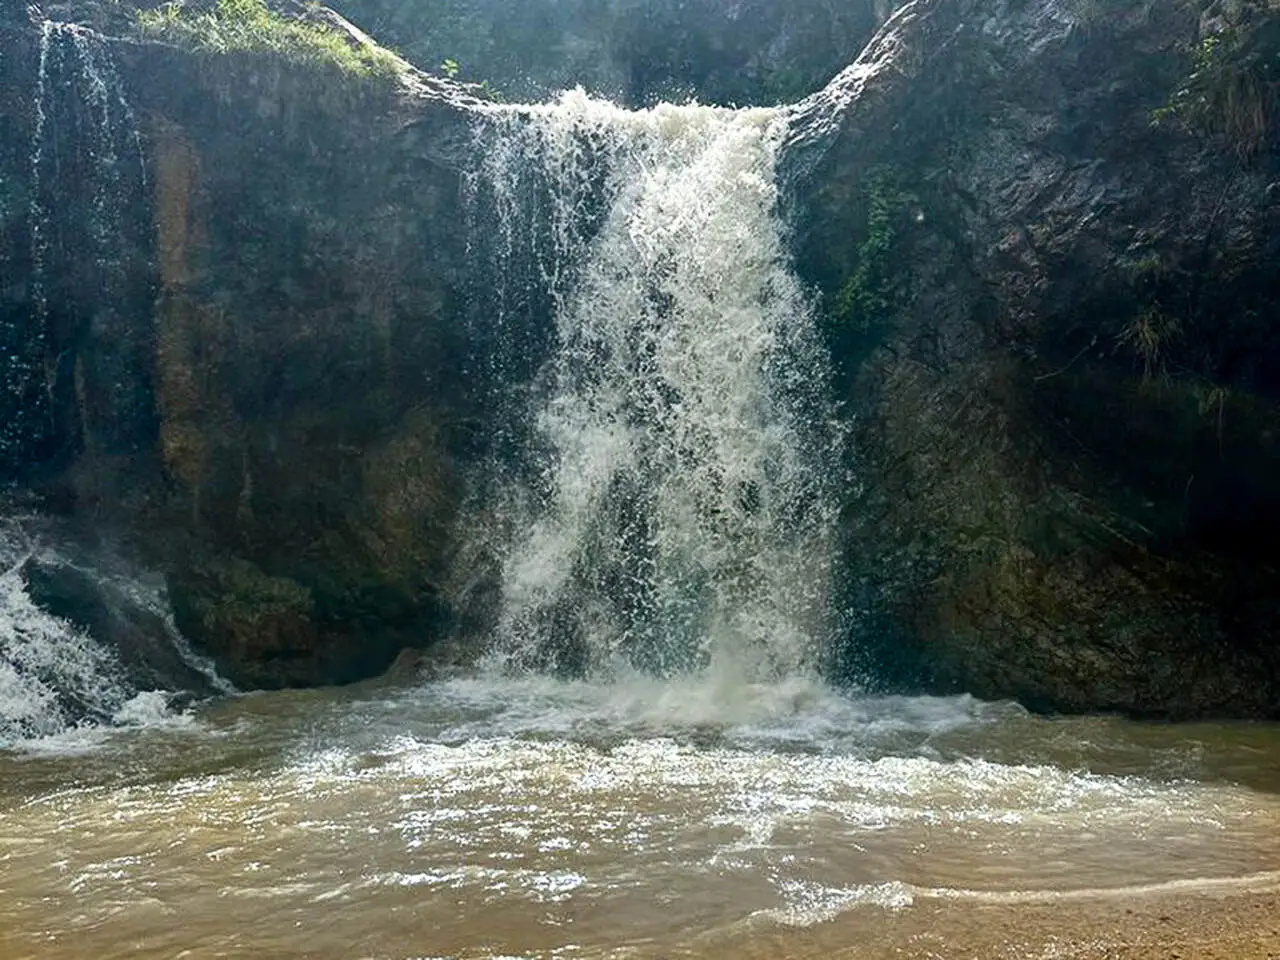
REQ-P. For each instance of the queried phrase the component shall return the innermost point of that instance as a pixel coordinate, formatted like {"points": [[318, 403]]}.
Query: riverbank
{"points": [[1213, 925]]}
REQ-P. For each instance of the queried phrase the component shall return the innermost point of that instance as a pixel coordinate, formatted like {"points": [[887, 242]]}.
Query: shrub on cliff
{"points": [[250, 25], [1233, 88]]}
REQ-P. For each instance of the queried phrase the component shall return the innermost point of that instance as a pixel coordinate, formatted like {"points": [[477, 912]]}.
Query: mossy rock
{"points": [[261, 629]]}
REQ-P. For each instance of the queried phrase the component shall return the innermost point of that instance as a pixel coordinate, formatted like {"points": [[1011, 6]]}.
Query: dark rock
{"points": [[1057, 329], [260, 629], [139, 637]]}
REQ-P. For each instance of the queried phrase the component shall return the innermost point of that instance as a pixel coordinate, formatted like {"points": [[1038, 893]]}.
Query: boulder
{"points": [[120, 620]]}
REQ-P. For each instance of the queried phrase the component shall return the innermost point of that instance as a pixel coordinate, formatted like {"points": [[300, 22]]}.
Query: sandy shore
{"points": [[1181, 926], [1237, 927]]}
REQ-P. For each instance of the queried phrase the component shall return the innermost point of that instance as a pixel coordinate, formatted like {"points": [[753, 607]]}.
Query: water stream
{"points": [[87, 172], [535, 817]]}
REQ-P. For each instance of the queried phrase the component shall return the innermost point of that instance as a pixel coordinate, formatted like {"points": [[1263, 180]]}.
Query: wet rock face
{"points": [[1057, 327], [308, 354], [284, 317], [138, 636]]}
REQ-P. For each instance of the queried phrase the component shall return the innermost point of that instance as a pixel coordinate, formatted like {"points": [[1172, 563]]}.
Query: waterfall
{"points": [[672, 504], [87, 169], [71, 55], [85, 639]]}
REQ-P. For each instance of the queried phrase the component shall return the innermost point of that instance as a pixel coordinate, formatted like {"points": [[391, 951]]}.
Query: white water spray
{"points": [[55, 676], [680, 513], [38, 215], [44, 660], [71, 54]]}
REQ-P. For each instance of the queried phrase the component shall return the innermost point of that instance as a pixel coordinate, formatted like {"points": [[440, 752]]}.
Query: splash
{"points": [[673, 504], [56, 676], [51, 675]]}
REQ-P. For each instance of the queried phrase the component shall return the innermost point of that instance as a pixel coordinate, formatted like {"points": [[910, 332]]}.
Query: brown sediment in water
{"points": [[436, 822]]}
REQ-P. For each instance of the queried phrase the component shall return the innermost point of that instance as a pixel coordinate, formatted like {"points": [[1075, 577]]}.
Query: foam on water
{"points": [[794, 713], [44, 664], [527, 815]]}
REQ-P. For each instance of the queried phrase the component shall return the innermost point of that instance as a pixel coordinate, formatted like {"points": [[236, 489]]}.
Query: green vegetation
{"points": [[1233, 89], [1180, 322], [1150, 334], [250, 25], [871, 289], [247, 597], [483, 89]]}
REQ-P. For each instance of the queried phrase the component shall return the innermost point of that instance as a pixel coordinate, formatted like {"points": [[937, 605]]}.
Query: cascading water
{"points": [[73, 367], [54, 674], [87, 170], [674, 507], [71, 54], [44, 661]]}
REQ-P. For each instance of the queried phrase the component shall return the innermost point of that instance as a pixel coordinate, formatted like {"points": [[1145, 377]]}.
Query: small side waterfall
{"points": [[47, 668], [124, 660], [105, 128], [85, 638], [87, 171], [673, 505]]}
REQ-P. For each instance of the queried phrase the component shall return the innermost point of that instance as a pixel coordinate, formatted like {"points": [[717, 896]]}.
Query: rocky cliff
{"points": [[238, 305], [230, 284], [1047, 232]]}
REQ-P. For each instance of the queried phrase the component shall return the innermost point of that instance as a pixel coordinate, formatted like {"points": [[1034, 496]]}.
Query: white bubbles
{"points": [[49, 670], [147, 709], [59, 683]]}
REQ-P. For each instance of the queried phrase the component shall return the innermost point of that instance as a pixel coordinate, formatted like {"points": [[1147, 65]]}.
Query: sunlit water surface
{"points": [[484, 818]]}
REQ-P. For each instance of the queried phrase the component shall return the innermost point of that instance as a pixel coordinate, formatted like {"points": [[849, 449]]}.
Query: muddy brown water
{"points": [[534, 818]]}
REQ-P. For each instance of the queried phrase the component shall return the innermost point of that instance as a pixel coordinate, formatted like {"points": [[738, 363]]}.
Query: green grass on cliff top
{"points": [[250, 25]]}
